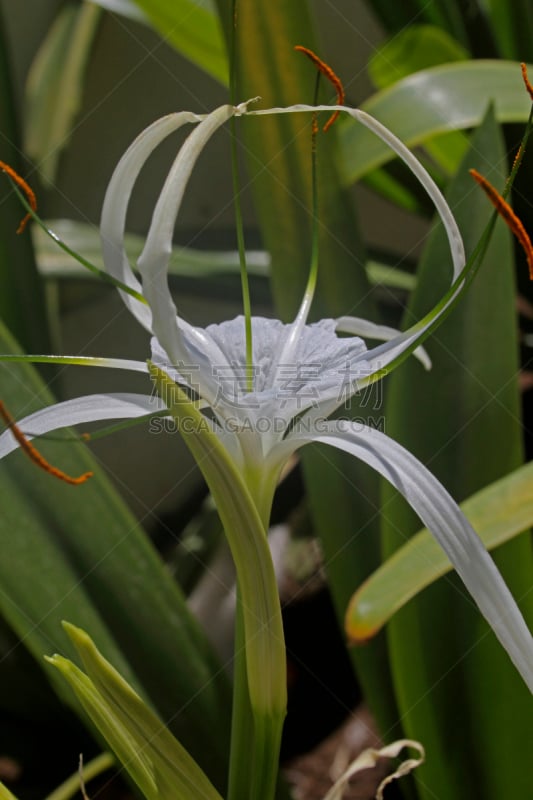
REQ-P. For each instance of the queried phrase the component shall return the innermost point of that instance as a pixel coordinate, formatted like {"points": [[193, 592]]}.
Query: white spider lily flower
{"points": [[301, 373]]}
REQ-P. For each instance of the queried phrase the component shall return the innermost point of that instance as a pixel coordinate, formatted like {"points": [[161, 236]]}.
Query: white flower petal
{"points": [[153, 261], [319, 367], [441, 515], [91, 408], [384, 355], [443, 209], [113, 219], [370, 330]]}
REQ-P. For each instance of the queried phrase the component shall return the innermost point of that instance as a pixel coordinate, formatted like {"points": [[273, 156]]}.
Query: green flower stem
{"points": [[100, 273], [247, 306], [263, 630], [245, 284], [242, 721]]}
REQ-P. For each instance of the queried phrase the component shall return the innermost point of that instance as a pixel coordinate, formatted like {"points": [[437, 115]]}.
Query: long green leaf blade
{"points": [[157, 762], [22, 306], [193, 29], [432, 102], [55, 85], [511, 26], [462, 420], [87, 559], [498, 513]]}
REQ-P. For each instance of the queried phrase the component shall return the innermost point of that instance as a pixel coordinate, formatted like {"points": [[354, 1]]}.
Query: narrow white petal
{"points": [[91, 408], [153, 262], [443, 209], [448, 220], [387, 353], [441, 515], [113, 220], [370, 330]]}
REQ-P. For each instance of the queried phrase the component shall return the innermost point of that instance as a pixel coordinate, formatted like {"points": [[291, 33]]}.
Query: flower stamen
{"points": [[508, 215], [528, 85], [334, 79], [26, 188], [34, 454]]}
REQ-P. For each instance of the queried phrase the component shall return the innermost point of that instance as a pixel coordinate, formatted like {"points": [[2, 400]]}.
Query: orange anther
{"points": [[34, 454], [506, 212], [529, 87], [28, 191], [326, 70]]}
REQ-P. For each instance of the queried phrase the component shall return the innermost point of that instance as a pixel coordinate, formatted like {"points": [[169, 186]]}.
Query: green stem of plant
{"points": [[242, 723], [245, 286], [232, 487], [313, 269]]}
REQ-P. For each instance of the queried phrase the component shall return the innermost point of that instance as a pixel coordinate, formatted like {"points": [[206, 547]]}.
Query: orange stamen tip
{"points": [[529, 87], [26, 188], [34, 455], [505, 211], [334, 79]]}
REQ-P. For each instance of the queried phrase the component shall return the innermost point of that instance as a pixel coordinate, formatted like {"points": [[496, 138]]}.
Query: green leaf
{"points": [[462, 420], [157, 762], [85, 557], [55, 85], [446, 14], [5, 794], [511, 25], [193, 29], [449, 97], [380, 181], [185, 262], [84, 238], [498, 513], [416, 47], [22, 306]]}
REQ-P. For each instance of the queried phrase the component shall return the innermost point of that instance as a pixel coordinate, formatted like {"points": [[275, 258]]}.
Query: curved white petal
{"points": [[443, 209], [441, 515], [370, 330], [91, 408], [113, 219], [153, 261], [382, 356]]}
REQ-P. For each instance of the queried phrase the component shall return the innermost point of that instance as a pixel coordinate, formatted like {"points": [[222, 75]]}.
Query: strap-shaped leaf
{"points": [[87, 559], [432, 102], [55, 85], [462, 421], [193, 29], [498, 513], [157, 762]]}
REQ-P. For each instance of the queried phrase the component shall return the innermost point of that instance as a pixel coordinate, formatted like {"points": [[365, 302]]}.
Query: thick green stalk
{"points": [[263, 629], [242, 723]]}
